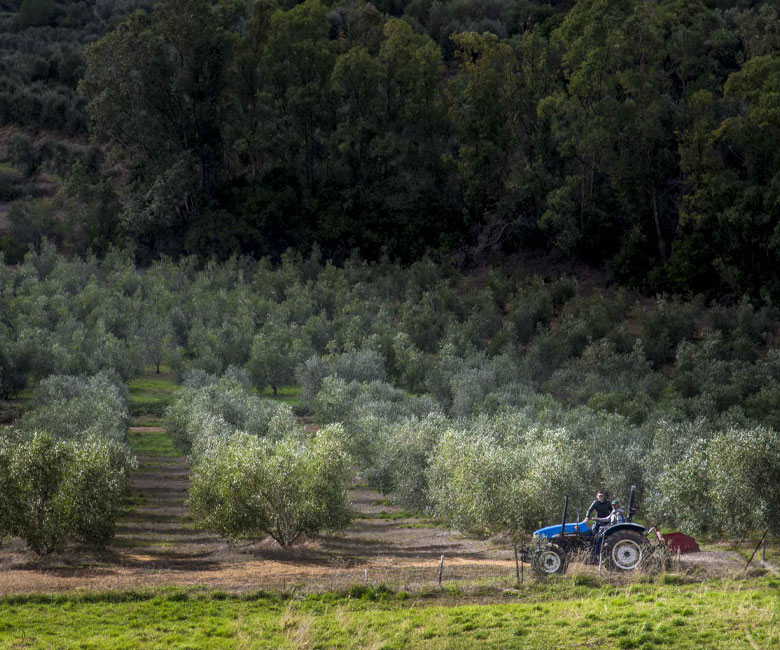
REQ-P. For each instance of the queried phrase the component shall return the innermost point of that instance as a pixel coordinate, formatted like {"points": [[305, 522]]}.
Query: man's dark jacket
{"points": [[602, 509]]}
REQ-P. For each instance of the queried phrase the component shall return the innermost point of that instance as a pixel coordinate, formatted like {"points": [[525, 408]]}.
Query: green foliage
{"points": [[254, 470], [57, 490], [481, 484], [606, 380], [24, 155], [13, 376], [364, 334], [664, 327], [721, 484], [356, 365], [400, 458], [276, 351], [79, 408], [215, 408], [65, 466], [641, 136], [35, 13], [246, 486], [155, 89], [337, 398]]}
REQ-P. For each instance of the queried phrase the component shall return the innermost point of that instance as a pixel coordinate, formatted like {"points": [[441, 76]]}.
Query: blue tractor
{"points": [[620, 544]]}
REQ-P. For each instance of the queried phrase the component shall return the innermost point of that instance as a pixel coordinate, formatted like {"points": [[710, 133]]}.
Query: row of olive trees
{"points": [[255, 471], [503, 472], [421, 328], [360, 338], [64, 466], [507, 471]]}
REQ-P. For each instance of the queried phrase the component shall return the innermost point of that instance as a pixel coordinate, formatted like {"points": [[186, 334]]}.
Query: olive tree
{"points": [[77, 407], [156, 334], [364, 365], [276, 351], [218, 407], [243, 485], [484, 485], [54, 490], [65, 466], [402, 456], [477, 486], [12, 366], [745, 467]]}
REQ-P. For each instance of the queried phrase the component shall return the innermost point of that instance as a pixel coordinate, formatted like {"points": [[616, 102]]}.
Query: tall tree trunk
{"points": [[656, 218]]}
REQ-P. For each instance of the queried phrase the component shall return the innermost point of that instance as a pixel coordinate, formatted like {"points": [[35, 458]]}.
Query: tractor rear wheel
{"points": [[548, 560], [624, 550]]}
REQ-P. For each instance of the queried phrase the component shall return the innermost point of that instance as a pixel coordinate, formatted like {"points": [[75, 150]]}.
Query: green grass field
{"points": [[152, 443], [290, 395], [566, 613], [151, 393]]}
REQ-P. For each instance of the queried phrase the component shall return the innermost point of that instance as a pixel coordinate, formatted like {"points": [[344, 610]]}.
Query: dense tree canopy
{"points": [[641, 136]]}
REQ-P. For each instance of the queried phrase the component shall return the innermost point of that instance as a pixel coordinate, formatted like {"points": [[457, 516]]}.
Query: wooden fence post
{"points": [[522, 568], [763, 537]]}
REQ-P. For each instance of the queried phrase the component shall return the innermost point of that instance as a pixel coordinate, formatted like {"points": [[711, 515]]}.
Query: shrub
{"points": [[24, 155], [531, 308], [423, 322], [247, 486], [607, 380], [743, 327], [679, 477], [477, 485], [461, 384], [667, 323], [53, 490], [708, 374], [337, 397], [411, 364], [276, 351], [65, 466], [79, 408], [355, 365], [35, 13], [221, 407], [400, 460], [13, 376], [745, 466], [482, 323], [310, 375], [480, 484], [470, 386]]}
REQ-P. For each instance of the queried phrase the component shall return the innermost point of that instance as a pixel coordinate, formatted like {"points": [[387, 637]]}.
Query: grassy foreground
{"points": [[566, 614]]}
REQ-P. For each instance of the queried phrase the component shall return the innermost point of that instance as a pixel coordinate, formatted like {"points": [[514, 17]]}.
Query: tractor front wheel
{"points": [[624, 550], [548, 560]]}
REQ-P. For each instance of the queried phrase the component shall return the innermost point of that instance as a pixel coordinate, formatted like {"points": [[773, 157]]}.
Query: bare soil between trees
{"points": [[157, 544]]}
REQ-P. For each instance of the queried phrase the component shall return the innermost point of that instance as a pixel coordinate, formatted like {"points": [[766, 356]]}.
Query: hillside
{"points": [[640, 138]]}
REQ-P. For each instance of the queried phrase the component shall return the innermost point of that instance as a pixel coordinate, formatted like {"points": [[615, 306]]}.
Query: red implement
{"points": [[680, 542]]}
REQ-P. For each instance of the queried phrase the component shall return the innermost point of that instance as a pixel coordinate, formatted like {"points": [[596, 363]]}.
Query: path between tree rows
{"points": [[157, 543]]}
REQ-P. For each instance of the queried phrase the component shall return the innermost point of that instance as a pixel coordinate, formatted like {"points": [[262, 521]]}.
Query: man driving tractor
{"points": [[602, 508]]}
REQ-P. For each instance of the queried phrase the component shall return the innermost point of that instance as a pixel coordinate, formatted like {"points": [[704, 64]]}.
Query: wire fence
{"points": [[503, 568]]}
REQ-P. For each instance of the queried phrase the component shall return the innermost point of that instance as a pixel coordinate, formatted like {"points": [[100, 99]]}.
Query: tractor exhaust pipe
{"points": [[631, 503], [565, 508]]}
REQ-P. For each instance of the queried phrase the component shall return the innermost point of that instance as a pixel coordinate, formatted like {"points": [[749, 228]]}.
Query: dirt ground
{"points": [[158, 544]]}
